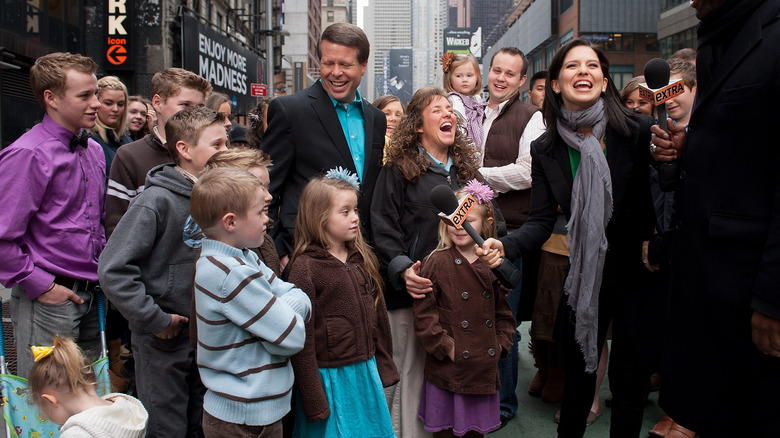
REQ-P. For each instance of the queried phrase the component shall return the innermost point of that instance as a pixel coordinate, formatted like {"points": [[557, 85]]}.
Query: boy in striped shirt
{"points": [[249, 321]]}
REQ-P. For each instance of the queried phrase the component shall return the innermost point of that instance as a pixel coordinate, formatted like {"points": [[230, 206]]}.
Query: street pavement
{"points": [[534, 418]]}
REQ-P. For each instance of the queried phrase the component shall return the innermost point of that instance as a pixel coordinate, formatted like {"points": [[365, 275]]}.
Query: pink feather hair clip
{"points": [[481, 191]]}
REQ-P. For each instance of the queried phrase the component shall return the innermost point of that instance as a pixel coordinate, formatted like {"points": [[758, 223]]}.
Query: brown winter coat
{"points": [[348, 324], [467, 309]]}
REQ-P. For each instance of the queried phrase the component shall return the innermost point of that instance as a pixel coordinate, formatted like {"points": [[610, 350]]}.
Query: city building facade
{"points": [[627, 31], [226, 41]]}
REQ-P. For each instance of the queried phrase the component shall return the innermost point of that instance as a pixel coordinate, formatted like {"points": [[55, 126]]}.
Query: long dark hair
{"points": [[403, 150], [620, 119]]}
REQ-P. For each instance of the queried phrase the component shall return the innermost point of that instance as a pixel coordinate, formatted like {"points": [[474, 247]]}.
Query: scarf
{"points": [[591, 208], [475, 112]]}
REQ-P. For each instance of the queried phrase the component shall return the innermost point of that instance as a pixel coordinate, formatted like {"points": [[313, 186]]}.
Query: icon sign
{"points": [[258, 90], [116, 54]]}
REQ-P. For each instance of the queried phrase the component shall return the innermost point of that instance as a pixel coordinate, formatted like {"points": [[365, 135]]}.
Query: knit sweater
{"points": [[125, 418], [127, 175], [249, 323]]}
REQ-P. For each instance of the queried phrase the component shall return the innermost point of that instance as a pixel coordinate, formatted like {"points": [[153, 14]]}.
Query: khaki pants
{"points": [[403, 398]]}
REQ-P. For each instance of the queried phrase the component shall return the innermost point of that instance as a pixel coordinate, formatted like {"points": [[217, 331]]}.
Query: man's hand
{"points": [[491, 252], [668, 147], [58, 295], [766, 334], [174, 327], [283, 262], [645, 247], [416, 286]]}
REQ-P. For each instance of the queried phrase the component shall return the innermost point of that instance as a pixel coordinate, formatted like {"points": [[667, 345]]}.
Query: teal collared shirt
{"points": [[352, 123], [446, 166]]}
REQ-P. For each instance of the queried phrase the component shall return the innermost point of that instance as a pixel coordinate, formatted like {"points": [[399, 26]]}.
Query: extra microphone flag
{"points": [[657, 96], [458, 217]]}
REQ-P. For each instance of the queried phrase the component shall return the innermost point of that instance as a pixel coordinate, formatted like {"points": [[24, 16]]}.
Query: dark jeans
{"points": [[168, 384], [507, 367], [628, 372]]}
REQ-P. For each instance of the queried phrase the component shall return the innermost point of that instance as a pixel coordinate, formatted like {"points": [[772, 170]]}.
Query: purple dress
{"points": [[441, 409]]}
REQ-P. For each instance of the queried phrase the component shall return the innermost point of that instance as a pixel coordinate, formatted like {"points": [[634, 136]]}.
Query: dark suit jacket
{"points": [[726, 257], [305, 139]]}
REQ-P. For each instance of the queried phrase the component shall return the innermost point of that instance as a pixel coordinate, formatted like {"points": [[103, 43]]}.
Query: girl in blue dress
{"points": [[347, 358]]}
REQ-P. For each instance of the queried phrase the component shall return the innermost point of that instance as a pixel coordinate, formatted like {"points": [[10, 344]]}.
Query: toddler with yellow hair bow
{"points": [[62, 385]]}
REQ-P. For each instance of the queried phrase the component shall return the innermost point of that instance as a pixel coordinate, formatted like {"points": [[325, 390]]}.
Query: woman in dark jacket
{"points": [[425, 150], [110, 129], [593, 162]]}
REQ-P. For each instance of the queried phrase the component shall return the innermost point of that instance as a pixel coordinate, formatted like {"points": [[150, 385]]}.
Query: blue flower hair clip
{"points": [[344, 174], [481, 191], [254, 120]]}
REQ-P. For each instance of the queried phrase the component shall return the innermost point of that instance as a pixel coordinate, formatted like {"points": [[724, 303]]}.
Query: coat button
{"points": [[458, 261], [489, 323], [466, 354], [464, 324], [465, 295], [486, 294], [491, 352]]}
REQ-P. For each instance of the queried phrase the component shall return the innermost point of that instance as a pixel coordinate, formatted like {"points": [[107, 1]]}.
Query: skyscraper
{"points": [[428, 23], [388, 25]]}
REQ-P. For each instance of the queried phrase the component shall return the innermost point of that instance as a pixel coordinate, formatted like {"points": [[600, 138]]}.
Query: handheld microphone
{"points": [[658, 89], [443, 198]]}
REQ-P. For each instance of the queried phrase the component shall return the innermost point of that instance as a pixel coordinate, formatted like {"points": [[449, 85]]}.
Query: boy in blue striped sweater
{"points": [[249, 321]]}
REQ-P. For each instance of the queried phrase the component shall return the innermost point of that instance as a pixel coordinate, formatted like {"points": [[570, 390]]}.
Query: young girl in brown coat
{"points": [[465, 326]]}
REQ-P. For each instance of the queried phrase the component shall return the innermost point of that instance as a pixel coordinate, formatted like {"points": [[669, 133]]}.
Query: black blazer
{"points": [[632, 216], [305, 139]]}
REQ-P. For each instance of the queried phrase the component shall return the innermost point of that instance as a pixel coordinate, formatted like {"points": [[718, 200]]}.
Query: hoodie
{"points": [[147, 267], [125, 418]]}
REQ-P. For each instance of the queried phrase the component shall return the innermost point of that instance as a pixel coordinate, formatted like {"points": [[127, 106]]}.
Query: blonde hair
{"points": [[460, 59], [65, 370], [221, 191], [50, 72], [488, 228], [313, 212], [169, 82], [187, 125], [239, 158], [111, 83]]}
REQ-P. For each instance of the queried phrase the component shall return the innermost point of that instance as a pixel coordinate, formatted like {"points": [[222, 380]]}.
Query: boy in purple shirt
{"points": [[51, 223]]}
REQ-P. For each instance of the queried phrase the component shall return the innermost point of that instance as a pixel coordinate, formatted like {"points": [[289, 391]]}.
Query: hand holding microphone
{"points": [[667, 141], [444, 199]]}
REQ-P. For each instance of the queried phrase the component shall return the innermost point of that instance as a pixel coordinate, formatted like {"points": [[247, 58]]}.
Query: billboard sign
{"points": [[399, 77], [464, 40], [118, 24], [226, 64]]}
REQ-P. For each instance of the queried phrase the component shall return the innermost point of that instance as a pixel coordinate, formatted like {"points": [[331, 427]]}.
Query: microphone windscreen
{"points": [[444, 199], [657, 73]]}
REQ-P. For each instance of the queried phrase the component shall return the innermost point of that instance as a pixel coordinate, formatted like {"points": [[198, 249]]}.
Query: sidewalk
{"points": [[534, 418]]}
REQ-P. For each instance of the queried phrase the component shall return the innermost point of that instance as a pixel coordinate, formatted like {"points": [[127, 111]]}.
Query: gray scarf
{"points": [[591, 208]]}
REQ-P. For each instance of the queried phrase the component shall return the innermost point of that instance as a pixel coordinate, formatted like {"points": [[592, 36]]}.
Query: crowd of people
{"points": [[293, 277]]}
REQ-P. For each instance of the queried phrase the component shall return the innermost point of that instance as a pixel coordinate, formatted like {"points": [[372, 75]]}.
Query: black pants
{"points": [[628, 371]]}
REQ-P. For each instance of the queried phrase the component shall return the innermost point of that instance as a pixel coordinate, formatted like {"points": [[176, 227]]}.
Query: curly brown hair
{"points": [[404, 148]]}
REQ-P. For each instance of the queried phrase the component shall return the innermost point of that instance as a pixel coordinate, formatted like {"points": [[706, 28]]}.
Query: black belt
{"points": [[75, 284]]}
